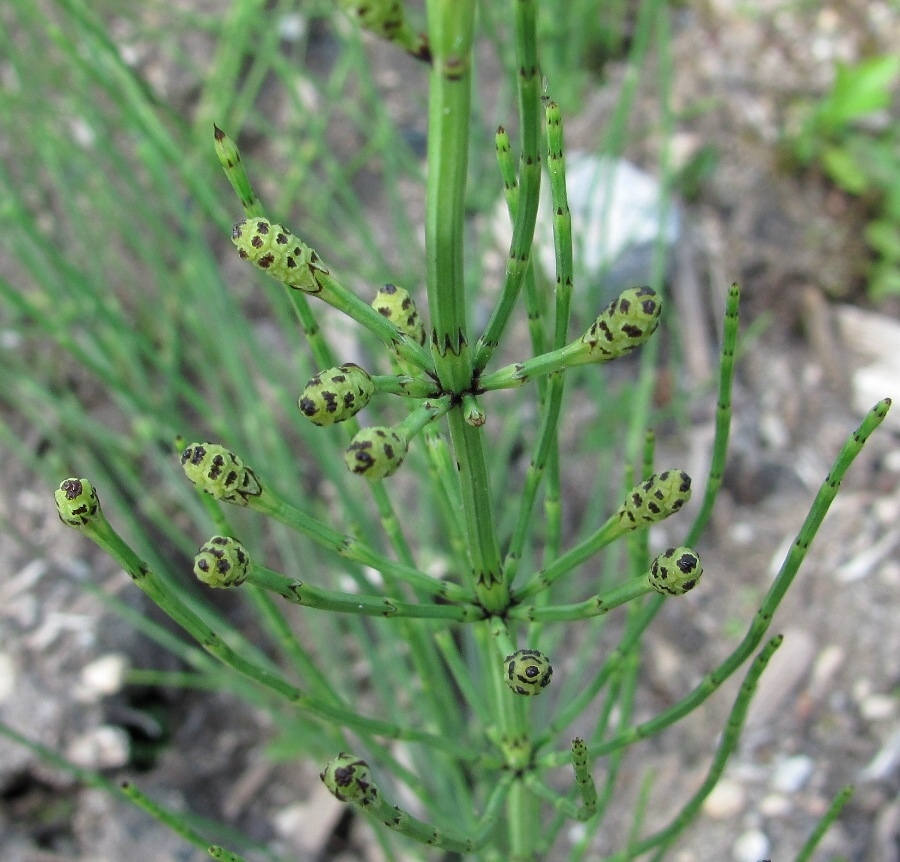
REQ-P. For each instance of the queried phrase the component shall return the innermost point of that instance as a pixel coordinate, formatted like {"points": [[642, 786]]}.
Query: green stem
{"points": [[337, 296], [583, 551], [723, 414], [763, 619], [664, 839], [529, 99], [230, 158], [102, 533], [450, 24], [173, 821], [350, 780], [405, 385], [352, 548], [592, 607], [427, 412], [220, 854], [837, 805], [301, 593], [484, 553], [519, 373]]}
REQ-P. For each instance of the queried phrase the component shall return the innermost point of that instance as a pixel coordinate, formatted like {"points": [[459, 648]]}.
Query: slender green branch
{"points": [[562, 223], [405, 385], [484, 553], [79, 507], [837, 804], [529, 99], [301, 593], [654, 499], [763, 619], [546, 445], [350, 780], [583, 779], [723, 414], [664, 839], [609, 670], [223, 855], [230, 158], [173, 821], [206, 462], [406, 348], [592, 607], [623, 326]]}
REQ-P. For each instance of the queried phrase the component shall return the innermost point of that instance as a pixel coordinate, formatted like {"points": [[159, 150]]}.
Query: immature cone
{"points": [[336, 394], [220, 473], [350, 780], [625, 324], [385, 18], [375, 452], [675, 571], [397, 305], [275, 250], [527, 672], [77, 502], [222, 562], [655, 498]]}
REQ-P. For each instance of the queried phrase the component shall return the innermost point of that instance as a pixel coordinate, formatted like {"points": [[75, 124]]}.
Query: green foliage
{"points": [[862, 159], [578, 38]]}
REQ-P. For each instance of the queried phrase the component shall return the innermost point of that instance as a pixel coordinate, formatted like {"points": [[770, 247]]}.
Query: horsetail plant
{"points": [[480, 726]]}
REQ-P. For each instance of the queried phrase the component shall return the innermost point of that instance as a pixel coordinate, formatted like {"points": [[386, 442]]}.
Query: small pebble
{"points": [[7, 676], [878, 707], [103, 747], [885, 761], [752, 846], [790, 775], [104, 676], [775, 805], [742, 533], [862, 688], [307, 825], [828, 663], [726, 800]]}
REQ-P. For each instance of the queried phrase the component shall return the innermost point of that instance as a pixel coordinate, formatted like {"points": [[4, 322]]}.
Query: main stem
{"points": [[451, 26]]}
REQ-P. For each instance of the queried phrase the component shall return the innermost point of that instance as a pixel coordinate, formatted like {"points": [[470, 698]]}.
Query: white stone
{"points": [[828, 663], [726, 800], [752, 846], [790, 775], [7, 676], [618, 211], [878, 707], [742, 532], [306, 825], [885, 761], [104, 676], [103, 747], [775, 805]]}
